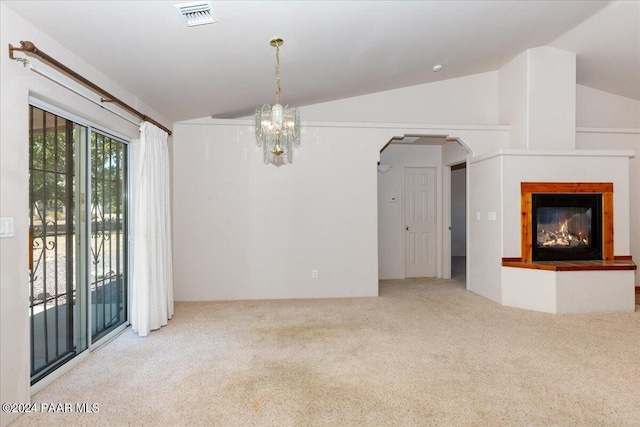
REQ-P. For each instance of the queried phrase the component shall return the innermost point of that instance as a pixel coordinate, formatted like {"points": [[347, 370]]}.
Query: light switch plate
{"points": [[6, 228]]}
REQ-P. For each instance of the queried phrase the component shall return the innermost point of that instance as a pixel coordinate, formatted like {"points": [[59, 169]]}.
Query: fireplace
{"points": [[561, 225], [566, 221], [566, 227]]}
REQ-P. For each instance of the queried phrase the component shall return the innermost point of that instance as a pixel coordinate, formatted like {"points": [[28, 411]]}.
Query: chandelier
{"points": [[277, 127]]}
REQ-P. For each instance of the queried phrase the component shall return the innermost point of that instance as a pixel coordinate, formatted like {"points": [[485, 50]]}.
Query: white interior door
{"points": [[420, 222]]}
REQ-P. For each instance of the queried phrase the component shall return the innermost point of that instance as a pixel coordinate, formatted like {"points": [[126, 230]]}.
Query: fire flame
{"points": [[561, 237]]}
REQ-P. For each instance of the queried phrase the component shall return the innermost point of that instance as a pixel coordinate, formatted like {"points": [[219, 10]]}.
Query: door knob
{"points": [[407, 228]]}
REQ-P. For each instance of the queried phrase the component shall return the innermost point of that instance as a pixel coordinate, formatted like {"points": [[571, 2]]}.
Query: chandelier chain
{"points": [[277, 73]]}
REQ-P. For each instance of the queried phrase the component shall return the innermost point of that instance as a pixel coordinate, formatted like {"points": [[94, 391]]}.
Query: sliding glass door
{"points": [[108, 234], [78, 259], [53, 265]]}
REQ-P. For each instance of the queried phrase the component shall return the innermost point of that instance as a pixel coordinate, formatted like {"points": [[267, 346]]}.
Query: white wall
{"points": [[598, 115], [256, 231], [594, 140], [514, 101], [537, 95], [16, 84], [598, 109], [470, 100], [552, 99], [459, 212], [485, 236], [390, 214]]}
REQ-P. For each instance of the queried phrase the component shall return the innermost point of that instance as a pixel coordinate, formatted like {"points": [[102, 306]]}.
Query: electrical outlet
{"points": [[314, 274]]}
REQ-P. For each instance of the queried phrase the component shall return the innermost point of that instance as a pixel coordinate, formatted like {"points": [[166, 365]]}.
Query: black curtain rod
{"points": [[31, 48]]}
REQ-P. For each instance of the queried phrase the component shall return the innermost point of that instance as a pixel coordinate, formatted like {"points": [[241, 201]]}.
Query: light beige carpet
{"points": [[426, 352]]}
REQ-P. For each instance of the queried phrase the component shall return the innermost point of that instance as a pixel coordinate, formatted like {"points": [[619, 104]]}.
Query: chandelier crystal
{"points": [[277, 127]]}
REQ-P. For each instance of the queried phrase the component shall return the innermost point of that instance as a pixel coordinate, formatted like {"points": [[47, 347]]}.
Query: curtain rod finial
{"points": [[28, 46]]}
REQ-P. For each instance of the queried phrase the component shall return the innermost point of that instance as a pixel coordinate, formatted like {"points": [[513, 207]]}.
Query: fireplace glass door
{"points": [[567, 227]]}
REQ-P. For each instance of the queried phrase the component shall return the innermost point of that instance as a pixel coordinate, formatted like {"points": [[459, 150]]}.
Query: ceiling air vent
{"points": [[196, 13]]}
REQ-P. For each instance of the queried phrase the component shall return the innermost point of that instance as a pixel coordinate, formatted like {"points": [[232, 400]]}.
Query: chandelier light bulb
{"points": [[276, 116]]}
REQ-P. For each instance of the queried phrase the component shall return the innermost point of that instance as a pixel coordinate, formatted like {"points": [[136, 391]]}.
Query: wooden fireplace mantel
{"points": [[623, 262], [529, 188]]}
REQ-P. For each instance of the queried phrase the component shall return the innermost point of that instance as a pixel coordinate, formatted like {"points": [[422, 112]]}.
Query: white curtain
{"points": [[152, 285]]}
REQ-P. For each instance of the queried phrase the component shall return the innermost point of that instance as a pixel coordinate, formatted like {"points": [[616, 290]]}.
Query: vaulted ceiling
{"points": [[332, 49]]}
